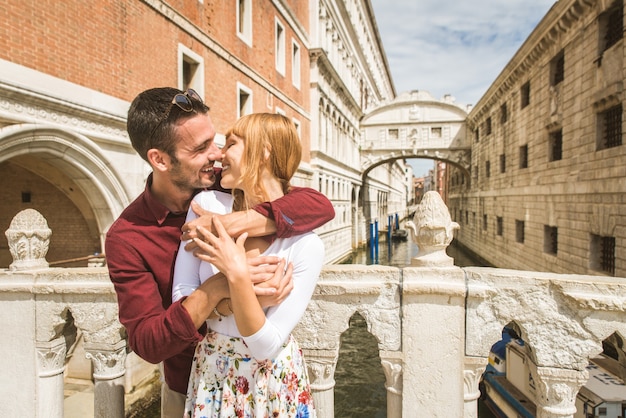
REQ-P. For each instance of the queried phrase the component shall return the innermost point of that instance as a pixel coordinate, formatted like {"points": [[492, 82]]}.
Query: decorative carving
{"points": [[51, 357], [558, 389], [108, 360], [29, 239], [432, 230], [472, 373], [393, 375], [321, 367]]}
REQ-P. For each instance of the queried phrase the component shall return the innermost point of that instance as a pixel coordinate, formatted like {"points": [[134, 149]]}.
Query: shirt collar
{"points": [[156, 208]]}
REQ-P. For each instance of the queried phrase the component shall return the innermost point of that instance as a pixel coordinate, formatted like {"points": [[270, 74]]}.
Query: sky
{"points": [[456, 47]]}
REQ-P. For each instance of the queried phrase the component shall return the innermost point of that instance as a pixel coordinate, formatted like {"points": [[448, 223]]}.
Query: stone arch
{"points": [[73, 159]]}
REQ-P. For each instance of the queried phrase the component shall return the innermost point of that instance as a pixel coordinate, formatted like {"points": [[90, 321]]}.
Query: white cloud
{"points": [[455, 47]]}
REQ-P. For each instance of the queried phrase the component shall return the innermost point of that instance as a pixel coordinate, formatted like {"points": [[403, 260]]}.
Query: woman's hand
{"points": [[223, 252]]}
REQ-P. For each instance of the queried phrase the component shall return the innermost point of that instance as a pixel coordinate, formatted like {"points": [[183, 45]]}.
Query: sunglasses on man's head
{"points": [[183, 101]]}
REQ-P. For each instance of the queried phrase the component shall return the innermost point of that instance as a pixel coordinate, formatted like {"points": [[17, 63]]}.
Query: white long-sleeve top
{"points": [[305, 252]]}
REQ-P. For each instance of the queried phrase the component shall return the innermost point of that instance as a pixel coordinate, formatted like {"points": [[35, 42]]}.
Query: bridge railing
{"points": [[434, 323]]}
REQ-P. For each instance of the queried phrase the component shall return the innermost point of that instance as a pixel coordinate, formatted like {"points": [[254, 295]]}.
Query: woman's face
{"points": [[232, 154]]}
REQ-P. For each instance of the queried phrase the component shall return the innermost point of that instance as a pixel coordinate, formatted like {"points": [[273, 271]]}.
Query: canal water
{"points": [[360, 381]]}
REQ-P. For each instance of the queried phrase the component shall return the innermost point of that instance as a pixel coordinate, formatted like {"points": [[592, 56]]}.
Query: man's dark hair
{"points": [[152, 116]]}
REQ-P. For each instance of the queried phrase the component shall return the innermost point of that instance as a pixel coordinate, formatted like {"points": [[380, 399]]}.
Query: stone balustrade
{"points": [[434, 323]]}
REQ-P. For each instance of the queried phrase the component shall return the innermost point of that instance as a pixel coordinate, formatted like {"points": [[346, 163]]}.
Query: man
{"points": [[173, 132]]}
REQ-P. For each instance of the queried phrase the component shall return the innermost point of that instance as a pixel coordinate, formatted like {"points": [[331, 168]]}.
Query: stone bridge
{"points": [[434, 322], [415, 125]]}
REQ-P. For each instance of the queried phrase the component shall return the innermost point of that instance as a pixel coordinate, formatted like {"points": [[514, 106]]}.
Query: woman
{"points": [[249, 364]]}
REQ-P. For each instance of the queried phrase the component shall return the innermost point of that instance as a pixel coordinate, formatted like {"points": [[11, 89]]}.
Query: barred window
{"points": [[525, 95], [504, 113], [555, 144], [612, 25], [557, 69], [499, 226], [519, 231], [523, 156], [602, 253], [502, 163], [550, 239], [487, 169], [610, 128]]}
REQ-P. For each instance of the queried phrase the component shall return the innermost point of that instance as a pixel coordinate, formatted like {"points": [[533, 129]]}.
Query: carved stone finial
{"points": [[29, 239], [432, 230]]}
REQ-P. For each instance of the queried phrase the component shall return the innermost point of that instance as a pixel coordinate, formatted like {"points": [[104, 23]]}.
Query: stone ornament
{"points": [[29, 240], [432, 230]]}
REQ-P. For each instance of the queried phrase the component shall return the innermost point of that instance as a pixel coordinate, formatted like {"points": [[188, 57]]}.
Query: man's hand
{"points": [[281, 285], [235, 223]]}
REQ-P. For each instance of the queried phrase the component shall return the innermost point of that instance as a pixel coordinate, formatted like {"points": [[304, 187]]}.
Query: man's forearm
{"points": [[250, 221]]}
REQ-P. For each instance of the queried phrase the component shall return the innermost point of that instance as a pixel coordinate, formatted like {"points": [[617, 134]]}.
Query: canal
{"points": [[360, 381]]}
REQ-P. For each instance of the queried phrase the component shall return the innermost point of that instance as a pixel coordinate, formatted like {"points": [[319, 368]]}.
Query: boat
{"points": [[508, 389]]}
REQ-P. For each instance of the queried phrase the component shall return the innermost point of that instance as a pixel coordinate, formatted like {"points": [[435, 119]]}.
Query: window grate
{"points": [[607, 254], [612, 127], [614, 26]]}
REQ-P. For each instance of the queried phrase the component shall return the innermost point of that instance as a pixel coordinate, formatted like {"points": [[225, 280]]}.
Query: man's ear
{"points": [[158, 159]]}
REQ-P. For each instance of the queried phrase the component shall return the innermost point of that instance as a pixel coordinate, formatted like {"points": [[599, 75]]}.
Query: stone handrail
{"points": [[435, 324]]}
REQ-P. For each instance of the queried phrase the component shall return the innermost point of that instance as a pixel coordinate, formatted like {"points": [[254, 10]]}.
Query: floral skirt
{"points": [[227, 382]]}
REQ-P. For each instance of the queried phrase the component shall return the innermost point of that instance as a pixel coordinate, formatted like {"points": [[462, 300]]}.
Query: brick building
{"points": [[68, 72]]}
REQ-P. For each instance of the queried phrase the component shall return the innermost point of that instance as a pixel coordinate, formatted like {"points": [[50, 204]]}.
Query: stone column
{"points": [[474, 369], [50, 365], [321, 365], [557, 390], [392, 366], [108, 364]]}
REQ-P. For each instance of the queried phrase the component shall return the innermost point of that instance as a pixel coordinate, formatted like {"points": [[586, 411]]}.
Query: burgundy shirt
{"points": [[141, 248]]}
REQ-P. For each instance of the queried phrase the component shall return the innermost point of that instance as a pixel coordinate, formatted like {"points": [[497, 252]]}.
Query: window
{"points": [[610, 128], [555, 144], [602, 254], [435, 132], [295, 64], [484, 222], [611, 25], [298, 128], [280, 47], [523, 156], [392, 134], [26, 197], [190, 70], [525, 94], [557, 69], [488, 126], [519, 231], [504, 113], [550, 239], [499, 226], [244, 100], [487, 168], [476, 135], [502, 163], [244, 20]]}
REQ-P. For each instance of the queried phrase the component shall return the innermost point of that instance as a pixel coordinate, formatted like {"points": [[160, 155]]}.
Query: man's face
{"points": [[196, 153]]}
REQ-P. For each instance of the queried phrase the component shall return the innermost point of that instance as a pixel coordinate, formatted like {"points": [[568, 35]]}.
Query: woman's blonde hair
{"points": [[263, 132]]}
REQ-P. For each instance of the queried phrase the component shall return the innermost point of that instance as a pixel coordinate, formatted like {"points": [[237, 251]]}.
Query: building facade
{"points": [[66, 83], [349, 77], [547, 189]]}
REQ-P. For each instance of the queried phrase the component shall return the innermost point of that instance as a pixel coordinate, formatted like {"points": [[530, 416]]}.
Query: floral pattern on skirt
{"points": [[227, 382]]}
